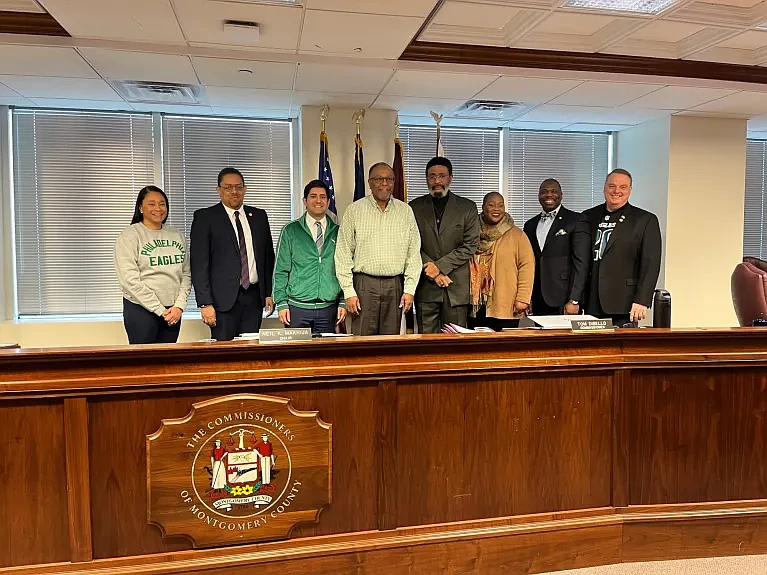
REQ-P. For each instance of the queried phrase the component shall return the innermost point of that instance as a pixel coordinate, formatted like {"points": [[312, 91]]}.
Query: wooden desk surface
{"points": [[518, 452]]}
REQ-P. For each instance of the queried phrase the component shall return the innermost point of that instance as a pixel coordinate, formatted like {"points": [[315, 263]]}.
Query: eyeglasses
{"points": [[380, 181], [233, 188], [435, 177]]}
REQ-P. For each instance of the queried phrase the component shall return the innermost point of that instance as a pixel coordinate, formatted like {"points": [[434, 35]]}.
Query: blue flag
{"points": [[359, 170], [326, 175]]}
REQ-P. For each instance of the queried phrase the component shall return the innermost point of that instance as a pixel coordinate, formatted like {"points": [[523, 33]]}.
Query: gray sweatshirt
{"points": [[153, 267]]}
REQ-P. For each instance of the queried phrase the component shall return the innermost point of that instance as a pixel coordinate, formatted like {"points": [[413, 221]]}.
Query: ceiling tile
{"points": [[312, 98], [202, 22], [476, 15], [574, 24], [662, 31], [679, 97], [751, 40], [597, 128], [136, 20], [254, 113], [417, 106], [591, 115], [173, 109], [366, 35], [245, 98], [43, 61], [607, 94], [546, 126], [738, 3], [69, 88], [227, 73], [420, 8], [426, 84], [356, 80], [66, 104], [749, 103], [526, 90], [122, 65]]}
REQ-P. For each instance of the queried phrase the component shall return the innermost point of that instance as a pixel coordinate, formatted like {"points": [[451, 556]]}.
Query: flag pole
{"points": [[438, 120], [324, 115]]}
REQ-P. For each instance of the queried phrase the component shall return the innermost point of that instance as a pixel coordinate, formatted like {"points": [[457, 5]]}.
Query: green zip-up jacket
{"points": [[303, 277]]}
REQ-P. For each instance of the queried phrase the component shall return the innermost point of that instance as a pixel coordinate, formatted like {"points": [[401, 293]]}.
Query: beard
{"points": [[438, 192]]}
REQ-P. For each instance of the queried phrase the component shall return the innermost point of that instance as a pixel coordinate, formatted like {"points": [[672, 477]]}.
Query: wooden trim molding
{"points": [[30, 23], [419, 51], [564, 540], [78, 478]]}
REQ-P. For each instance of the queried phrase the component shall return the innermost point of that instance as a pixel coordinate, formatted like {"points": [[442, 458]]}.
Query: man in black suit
{"points": [[562, 247], [232, 260], [626, 253], [449, 228]]}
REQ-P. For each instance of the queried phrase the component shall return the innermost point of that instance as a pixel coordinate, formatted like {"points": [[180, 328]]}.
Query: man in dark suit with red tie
{"points": [[562, 247], [232, 260]]}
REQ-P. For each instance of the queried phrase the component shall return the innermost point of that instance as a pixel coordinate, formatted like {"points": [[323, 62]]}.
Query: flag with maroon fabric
{"points": [[400, 184]]}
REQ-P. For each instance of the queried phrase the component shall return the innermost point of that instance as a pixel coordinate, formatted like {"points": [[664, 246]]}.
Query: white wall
{"points": [[707, 180], [378, 146], [644, 151]]}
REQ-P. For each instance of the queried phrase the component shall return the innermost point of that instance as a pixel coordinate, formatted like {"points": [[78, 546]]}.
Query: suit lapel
{"points": [[620, 224], [534, 233], [552, 229], [227, 223], [252, 224], [427, 210]]}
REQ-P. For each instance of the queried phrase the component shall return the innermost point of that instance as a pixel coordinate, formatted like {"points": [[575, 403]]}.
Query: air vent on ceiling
{"points": [[490, 109], [159, 92]]}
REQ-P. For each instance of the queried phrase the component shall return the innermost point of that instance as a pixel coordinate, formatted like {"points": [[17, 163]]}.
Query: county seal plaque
{"points": [[238, 469]]}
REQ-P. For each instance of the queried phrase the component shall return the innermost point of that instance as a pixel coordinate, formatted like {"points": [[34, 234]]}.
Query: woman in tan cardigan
{"points": [[502, 270]]}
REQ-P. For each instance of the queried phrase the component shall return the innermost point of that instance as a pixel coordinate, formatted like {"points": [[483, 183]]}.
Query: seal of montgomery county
{"points": [[237, 469]]}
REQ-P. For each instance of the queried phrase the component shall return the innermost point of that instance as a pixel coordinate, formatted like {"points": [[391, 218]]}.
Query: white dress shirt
{"points": [[311, 223], [544, 225], [248, 239]]}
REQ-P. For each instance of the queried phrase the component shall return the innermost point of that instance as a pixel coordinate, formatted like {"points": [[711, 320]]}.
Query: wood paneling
{"points": [[31, 23], [419, 51], [502, 447], [33, 484], [698, 435], [78, 478]]}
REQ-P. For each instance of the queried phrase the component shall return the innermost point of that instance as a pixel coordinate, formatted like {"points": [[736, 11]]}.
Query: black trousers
{"points": [[321, 320], [492, 322], [541, 308], [431, 316], [620, 320], [143, 326], [244, 317]]}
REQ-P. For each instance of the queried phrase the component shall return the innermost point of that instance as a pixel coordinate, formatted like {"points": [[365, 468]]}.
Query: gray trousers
{"points": [[432, 316], [379, 299]]}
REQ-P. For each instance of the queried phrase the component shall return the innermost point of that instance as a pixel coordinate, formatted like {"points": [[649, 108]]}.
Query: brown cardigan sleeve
{"points": [[526, 267]]}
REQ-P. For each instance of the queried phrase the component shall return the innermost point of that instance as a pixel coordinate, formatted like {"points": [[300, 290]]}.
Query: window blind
{"points": [[578, 161], [76, 176], [474, 153], [196, 149], [754, 213]]}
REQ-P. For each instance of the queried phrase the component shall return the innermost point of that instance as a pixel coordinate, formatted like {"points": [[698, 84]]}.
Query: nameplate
{"points": [[582, 325], [284, 335]]}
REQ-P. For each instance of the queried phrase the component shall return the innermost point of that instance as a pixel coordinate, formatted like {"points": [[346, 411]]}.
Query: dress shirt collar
{"points": [[311, 223], [552, 214]]}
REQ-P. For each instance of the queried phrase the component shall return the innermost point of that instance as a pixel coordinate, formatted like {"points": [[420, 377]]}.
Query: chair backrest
{"points": [[748, 285]]}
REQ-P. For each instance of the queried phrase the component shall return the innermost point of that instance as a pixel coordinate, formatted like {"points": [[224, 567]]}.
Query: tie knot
{"points": [[237, 214], [547, 215]]}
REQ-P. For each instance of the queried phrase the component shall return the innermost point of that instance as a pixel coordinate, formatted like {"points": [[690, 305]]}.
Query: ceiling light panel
{"points": [[631, 6]]}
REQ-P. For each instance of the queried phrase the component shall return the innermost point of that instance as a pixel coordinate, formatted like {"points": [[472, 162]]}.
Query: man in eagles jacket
{"points": [[306, 291], [626, 244]]}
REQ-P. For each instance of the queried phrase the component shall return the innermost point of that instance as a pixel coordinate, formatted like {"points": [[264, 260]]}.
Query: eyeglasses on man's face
{"points": [[229, 188], [435, 177], [378, 181]]}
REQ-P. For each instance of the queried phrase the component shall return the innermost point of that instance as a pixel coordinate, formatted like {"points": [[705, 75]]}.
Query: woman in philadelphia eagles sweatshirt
{"points": [[153, 269]]}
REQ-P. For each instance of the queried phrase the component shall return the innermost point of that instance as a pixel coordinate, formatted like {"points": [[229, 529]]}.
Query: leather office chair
{"points": [[748, 285]]}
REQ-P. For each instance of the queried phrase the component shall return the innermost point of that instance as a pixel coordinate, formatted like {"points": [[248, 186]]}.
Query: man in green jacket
{"points": [[306, 291]]}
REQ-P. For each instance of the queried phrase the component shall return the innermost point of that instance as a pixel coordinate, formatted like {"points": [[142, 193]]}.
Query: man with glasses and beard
{"points": [[232, 259], [378, 257], [449, 227]]}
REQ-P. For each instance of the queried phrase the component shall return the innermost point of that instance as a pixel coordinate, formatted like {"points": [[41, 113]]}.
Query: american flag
{"points": [[326, 174]]}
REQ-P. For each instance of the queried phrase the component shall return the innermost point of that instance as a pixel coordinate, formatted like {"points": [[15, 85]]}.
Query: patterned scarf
{"points": [[482, 282]]}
